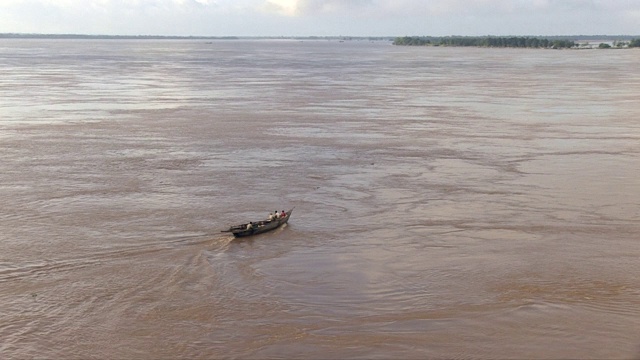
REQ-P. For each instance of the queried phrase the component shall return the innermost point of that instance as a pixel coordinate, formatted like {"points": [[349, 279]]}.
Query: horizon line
{"points": [[79, 35]]}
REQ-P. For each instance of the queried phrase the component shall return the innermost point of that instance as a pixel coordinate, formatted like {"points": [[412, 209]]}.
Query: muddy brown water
{"points": [[449, 202]]}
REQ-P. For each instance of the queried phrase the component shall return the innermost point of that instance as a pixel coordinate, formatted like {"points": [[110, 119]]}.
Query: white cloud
{"points": [[316, 7], [321, 17], [333, 6], [281, 7]]}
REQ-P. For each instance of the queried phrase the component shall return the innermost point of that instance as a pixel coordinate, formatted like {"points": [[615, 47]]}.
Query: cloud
{"points": [[316, 7], [321, 17], [281, 7], [103, 16], [333, 6]]}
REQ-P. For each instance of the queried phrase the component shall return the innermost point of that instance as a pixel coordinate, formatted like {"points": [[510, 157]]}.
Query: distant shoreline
{"points": [[610, 38], [533, 42], [172, 37], [520, 42]]}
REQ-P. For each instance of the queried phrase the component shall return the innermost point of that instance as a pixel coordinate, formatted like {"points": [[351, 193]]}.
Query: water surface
{"points": [[449, 202]]}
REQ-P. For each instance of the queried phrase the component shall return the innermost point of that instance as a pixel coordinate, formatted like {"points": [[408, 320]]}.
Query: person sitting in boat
{"points": [[276, 215], [250, 225], [283, 214], [271, 217]]}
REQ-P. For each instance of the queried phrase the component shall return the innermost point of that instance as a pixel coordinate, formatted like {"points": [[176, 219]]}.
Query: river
{"points": [[449, 202]]}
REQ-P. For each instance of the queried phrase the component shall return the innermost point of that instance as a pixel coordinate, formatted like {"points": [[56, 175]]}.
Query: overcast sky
{"points": [[321, 17]]}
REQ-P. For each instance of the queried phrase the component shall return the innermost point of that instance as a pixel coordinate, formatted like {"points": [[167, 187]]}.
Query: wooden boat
{"points": [[258, 227]]}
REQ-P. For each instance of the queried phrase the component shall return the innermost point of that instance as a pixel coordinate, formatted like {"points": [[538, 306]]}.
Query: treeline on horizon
{"points": [[493, 41], [555, 41]]}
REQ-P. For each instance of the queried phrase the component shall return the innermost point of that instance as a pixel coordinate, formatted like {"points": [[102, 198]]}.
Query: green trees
{"points": [[411, 41], [486, 41], [561, 44], [634, 43]]}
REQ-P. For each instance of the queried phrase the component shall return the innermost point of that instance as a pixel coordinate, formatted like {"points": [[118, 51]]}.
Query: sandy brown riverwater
{"points": [[449, 202]]}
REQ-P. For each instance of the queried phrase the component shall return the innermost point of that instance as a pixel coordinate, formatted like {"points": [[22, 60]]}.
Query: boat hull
{"points": [[259, 226]]}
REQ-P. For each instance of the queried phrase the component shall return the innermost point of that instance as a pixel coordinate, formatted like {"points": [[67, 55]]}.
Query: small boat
{"points": [[258, 227]]}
